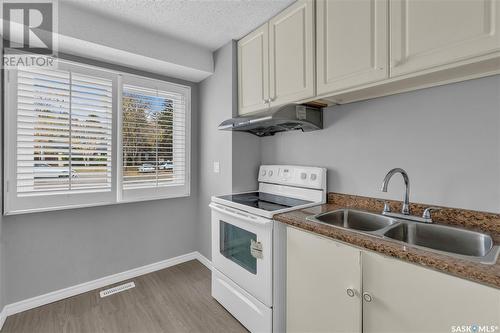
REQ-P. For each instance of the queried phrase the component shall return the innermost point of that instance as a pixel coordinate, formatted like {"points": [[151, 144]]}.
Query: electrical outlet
{"points": [[216, 167]]}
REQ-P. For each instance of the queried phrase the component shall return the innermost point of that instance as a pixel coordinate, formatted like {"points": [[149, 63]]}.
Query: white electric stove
{"points": [[242, 239]]}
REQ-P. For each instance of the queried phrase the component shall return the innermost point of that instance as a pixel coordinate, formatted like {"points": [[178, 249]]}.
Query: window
{"points": [[81, 136], [154, 139]]}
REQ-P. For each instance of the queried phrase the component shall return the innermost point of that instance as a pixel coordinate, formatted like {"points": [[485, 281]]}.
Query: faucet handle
{"points": [[428, 210], [387, 207]]}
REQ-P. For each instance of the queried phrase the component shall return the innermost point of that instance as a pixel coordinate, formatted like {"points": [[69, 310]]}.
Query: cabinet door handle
{"points": [[350, 292], [367, 297]]}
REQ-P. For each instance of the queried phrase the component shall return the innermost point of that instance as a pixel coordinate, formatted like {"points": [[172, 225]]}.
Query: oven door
{"points": [[242, 250]]}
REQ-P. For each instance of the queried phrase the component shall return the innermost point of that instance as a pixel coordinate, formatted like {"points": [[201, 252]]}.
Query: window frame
{"points": [[14, 204]]}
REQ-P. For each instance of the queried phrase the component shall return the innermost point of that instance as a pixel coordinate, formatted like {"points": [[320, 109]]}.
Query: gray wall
{"points": [[43, 252], [2, 270], [237, 153], [51, 251], [2, 251], [447, 138], [216, 105], [246, 162]]}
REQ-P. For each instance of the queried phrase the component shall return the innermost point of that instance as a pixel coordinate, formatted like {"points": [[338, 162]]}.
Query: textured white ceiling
{"points": [[208, 23]]}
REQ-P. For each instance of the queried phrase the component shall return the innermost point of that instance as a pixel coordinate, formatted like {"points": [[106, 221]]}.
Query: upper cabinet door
{"points": [[253, 71], [291, 53], [425, 34], [352, 43]]}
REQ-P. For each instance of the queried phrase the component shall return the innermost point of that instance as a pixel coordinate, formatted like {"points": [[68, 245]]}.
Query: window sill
{"points": [[100, 204]]}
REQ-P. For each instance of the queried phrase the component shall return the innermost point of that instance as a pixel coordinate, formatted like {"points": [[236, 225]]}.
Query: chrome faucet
{"points": [[405, 211], [406, 204]]}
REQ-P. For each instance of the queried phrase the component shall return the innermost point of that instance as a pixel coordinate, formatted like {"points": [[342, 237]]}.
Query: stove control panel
{"points": [[292, 175]]}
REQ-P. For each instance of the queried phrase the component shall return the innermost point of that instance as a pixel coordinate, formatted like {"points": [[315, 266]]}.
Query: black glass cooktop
{"points": [[265, 201]]}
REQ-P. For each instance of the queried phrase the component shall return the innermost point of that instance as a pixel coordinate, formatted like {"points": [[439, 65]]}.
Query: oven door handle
{"points": [[239, 215]]}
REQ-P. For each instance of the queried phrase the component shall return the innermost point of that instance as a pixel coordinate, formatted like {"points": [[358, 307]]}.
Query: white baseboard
{"points": [[204, 260], [3, 316], [58, 295]]}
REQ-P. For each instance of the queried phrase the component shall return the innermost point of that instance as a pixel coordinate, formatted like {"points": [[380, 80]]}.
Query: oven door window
{"points": [[235, 245]]}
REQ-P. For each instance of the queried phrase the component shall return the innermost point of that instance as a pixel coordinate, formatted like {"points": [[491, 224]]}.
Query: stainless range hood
{"points": [[286, 118]]}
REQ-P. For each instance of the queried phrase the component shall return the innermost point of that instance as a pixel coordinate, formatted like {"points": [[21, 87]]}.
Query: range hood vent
{"points": [[286, 118]]}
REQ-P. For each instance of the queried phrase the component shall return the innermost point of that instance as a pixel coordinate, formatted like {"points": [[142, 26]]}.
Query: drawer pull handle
{"points": [[350, 292]]}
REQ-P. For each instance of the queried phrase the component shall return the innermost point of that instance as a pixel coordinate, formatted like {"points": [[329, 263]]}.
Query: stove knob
{"points": [[263, 172], [303, 175], [270, 173], [313, 176]]}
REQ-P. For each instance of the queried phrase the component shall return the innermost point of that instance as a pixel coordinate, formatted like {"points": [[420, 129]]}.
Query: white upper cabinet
{"points": [[291, 54], [253, 71], [323, 285], [352, 43], [342, 51], [426, 34], [276, 61]]}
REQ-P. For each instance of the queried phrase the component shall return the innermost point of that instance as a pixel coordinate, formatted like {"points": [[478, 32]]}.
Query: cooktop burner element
{"points": [[264, 201], [282, 188]]}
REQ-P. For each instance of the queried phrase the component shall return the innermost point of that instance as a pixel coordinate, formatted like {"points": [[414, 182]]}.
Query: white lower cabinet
{"points": [[389, 295], [409, 298], [319, 273]]}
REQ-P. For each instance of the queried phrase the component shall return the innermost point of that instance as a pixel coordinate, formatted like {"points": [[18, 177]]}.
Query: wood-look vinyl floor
{"points": [[175, 299]]}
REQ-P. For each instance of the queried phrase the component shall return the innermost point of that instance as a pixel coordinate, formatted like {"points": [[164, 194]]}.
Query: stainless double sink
{"points": [[460, 243]]}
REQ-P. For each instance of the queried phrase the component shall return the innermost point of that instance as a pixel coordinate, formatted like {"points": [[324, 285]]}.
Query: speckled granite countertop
{"points": [[478, 221]]}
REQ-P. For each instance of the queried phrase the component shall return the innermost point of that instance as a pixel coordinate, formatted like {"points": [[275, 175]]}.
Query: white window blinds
{"points": [[154, 138], [79, 136], [64, 132]]}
